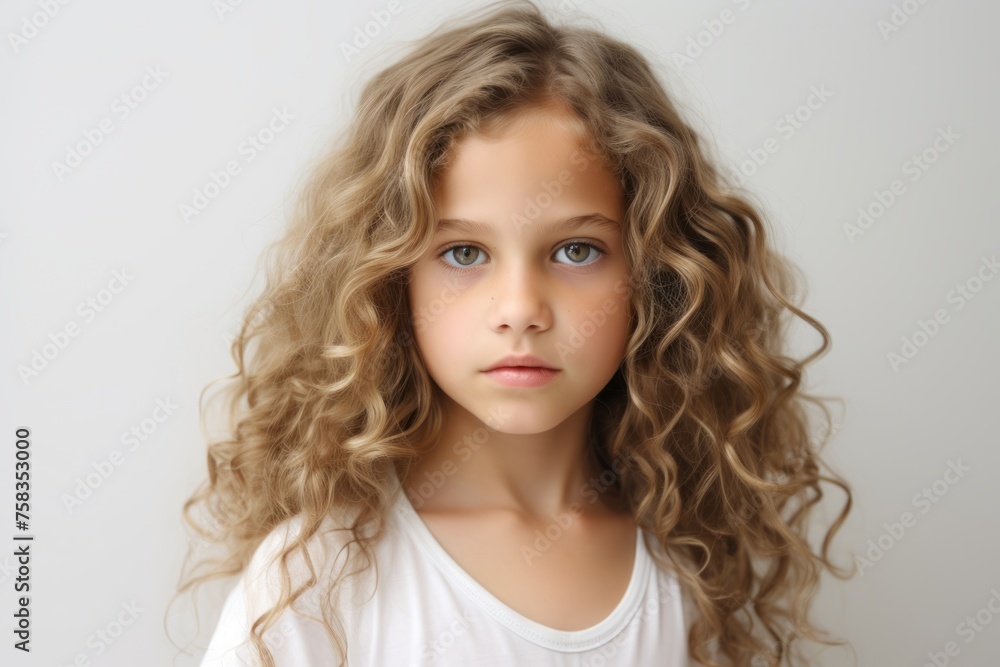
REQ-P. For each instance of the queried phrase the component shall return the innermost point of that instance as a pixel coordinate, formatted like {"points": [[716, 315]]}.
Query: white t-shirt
{"points": [[426, 610]]}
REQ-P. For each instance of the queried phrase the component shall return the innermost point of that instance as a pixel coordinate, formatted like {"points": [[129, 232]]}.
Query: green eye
{"points": [[471, 252]]}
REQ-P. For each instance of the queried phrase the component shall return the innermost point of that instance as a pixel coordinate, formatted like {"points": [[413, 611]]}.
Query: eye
{"points": [[580, 251], [468, 254], [576, 252]]}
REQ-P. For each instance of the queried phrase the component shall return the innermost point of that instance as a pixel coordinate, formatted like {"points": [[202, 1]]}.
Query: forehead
{"points": [[539, 164], [593, 220]]}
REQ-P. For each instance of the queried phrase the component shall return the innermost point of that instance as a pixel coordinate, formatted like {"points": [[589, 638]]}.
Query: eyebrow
{"points": [[588, 219]]}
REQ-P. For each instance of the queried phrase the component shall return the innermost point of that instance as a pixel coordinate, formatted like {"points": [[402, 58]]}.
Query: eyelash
{"points": [[585, 267]]}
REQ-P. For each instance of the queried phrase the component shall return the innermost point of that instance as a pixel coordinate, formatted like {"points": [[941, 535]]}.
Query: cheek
{"points": [[603, 322], [438, 322]]}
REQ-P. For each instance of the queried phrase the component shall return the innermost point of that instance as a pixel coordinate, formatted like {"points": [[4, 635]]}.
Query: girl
{"points": [[516, 392]]}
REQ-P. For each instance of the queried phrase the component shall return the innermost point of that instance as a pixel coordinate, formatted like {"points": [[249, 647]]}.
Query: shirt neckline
{"points": [[538, 633]]}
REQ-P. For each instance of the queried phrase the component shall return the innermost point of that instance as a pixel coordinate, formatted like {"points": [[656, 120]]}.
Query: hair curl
{"points": [[706, 413]]}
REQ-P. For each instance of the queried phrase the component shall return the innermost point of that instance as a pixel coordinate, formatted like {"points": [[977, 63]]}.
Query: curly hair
{"points": [[705, 419]]}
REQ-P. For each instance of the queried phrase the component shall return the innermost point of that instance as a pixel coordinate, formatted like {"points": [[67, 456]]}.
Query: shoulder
{"points": [[673, 586], [308, 561], [297, 637]]}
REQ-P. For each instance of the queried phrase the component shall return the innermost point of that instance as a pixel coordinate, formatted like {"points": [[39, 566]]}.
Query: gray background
{"points": [[165, 335]]}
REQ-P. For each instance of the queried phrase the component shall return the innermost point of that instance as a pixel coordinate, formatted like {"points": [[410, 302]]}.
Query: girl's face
{"points": [[537, 269]]}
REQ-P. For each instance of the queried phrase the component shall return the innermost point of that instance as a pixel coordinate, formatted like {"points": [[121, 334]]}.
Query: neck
{"points": [[475, 467]]}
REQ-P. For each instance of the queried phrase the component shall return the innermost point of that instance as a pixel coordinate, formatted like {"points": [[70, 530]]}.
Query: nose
{"points": [[520, 300]]}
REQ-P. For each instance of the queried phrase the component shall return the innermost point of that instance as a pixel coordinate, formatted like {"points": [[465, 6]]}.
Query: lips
{"points": [[522, 376], [521, 361]]}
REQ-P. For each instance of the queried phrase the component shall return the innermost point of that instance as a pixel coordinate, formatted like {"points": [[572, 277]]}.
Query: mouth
{"points": [[521, 361], [522, 376]]}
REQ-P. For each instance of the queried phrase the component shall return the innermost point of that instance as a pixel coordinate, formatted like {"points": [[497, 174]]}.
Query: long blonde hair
{"points": [[705, 419]]}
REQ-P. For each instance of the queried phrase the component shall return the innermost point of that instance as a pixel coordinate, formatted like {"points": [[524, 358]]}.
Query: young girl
{"points": [[515, 394]]}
